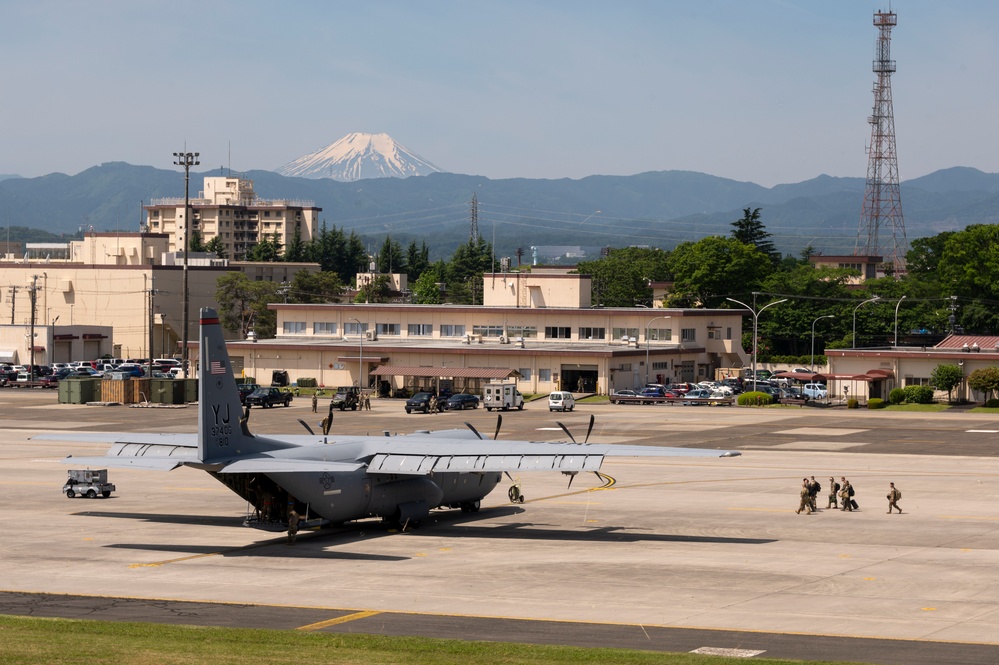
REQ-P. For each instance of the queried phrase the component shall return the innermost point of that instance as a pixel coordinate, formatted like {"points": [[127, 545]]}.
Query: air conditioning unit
{"points": [[371, 336], [504, 339]]}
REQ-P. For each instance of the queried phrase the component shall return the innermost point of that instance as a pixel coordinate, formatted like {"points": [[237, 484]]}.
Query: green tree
{"points": [[985, 380], [947, 377], [467, 265], [243, 305], [391, 259], [707, 271], [750, 230], [196, 242], [376, 290], [425, 289], [969, 268], [623, 277], [295, 251], [315, 287], [267, 249], [217, 247], [813, 293], [417, 260]]}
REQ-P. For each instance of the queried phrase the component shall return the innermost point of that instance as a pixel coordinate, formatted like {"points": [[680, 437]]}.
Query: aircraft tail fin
{"points": [[222, 427]]}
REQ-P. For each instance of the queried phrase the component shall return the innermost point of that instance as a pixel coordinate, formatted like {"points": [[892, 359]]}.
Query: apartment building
{"points": [[228, 208]]}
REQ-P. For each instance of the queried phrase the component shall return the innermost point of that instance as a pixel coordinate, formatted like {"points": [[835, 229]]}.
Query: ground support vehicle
{"points": [[347, 397], [503, 395], [88, 483]]}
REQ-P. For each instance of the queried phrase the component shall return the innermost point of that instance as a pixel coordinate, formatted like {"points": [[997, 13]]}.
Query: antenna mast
{"points": [[882, 200], [473, 231]]}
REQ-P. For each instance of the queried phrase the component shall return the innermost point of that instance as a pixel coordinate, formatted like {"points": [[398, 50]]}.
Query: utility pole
{"points": [[187, 160], [473, 231], [31, 338], [13, 299]]}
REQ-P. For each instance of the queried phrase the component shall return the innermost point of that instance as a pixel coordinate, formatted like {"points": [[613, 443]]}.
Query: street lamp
{"points": [[875, 298], [187, 160], [897, 305], [647, 343], [756, 317], [827, 316], [360, 355]]}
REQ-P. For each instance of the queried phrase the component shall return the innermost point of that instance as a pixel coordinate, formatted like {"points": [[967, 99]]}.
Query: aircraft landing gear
{"points": [[515, 494], [471, 506]]}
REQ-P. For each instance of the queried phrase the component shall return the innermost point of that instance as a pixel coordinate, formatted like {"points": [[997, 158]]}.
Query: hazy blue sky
{"points": [[769, 91]]}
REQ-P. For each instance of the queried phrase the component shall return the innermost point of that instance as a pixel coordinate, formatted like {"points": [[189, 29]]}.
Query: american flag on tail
{"points": [[217, 367]]}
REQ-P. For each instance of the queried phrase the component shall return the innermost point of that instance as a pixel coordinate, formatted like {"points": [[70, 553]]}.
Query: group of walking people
{"points": [[841, 496]]}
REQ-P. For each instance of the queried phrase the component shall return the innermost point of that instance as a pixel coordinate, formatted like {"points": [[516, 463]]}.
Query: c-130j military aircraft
{"points": [[341, 478]]}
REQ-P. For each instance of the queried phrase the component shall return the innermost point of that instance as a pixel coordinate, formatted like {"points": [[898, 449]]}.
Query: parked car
{"points": [[680, 388], [623, 396], [462, 401], [815, 390], [561, 400], [49, 381], [419, 402], [267, 397], [693, 396], [245, 390], [347, 397]]}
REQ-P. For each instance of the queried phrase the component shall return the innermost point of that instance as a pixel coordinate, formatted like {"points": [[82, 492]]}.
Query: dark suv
{"points": [[267, 397], [420, 402], [245, 390]]}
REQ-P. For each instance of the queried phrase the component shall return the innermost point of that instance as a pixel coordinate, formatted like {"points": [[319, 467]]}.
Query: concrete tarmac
{"points": [[676, 554]]}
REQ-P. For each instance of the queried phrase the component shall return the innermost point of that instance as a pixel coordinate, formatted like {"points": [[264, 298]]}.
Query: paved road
{"points": [[680, 554]]}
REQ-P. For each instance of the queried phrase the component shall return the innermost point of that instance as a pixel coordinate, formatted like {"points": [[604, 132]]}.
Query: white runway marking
{"points": [[820, 431]]}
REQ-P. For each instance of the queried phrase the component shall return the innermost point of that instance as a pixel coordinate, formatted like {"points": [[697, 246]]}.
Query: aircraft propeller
{"points": [[306, 426], [572, 474], [499, 422]]}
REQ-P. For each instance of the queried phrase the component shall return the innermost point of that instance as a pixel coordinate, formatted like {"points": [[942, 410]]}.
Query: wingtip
{"points": [[731, 453]]}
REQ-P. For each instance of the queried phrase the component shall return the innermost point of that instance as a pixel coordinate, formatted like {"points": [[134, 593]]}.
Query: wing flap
{"points": [[279, 465], [150, 463], [483, 463], [139, 438]]}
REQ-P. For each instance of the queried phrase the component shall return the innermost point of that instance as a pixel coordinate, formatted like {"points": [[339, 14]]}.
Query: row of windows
{"points": [[457, 330]]}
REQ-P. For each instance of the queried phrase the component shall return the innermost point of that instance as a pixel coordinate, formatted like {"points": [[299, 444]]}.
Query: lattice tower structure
{"points": [[473, 230], [882, 228]]}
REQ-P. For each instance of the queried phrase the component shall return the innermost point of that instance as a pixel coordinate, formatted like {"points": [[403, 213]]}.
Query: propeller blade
{"points": [[499, 423], [572, 476], [328, 422], [566, 430], [590, 428], [469, 426], [306, 426]]}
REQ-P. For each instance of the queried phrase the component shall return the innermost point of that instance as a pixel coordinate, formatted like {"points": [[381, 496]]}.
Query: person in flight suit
{"points": [[806, 496], [893, 496]]}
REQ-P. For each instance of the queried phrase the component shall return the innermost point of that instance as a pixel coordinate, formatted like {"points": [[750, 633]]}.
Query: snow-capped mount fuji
{"points": [[358, 156]]}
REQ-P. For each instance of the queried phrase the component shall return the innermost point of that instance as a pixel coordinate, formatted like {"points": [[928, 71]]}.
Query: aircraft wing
{"points": [[152, 463], [139, 438], [424, 455]]}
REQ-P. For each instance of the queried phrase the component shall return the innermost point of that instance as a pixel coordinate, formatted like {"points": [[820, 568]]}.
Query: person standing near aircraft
{"points": [[893, 496], [315, 403], [833, 493], [806, 494], [292, 526], [846, 495], [813, 492]]}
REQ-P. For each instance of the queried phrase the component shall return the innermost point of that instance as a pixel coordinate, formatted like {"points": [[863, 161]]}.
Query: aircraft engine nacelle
{"points": [[409, 499]]}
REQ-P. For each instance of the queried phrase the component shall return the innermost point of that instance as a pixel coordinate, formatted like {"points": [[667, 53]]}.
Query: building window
{"points": [[388, 328], [527, 332], [688, 335], [917, 381], [525, 373], [544, 375], [488, 331], [420, 329], [618, 334], [557, 332], [452, 330], [354, 328], [324, 328], [294, 327], [728, 332], [658, 335], [660, 364], [592, 333]]}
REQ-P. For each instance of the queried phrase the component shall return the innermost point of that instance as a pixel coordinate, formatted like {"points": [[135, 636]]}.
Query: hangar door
{"points": [[578, 378]]}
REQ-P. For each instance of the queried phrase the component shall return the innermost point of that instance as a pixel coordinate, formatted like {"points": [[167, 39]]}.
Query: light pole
{"points": [[360, 354], [827, 316], [875, 298], [756, 318], [897, 305], [647, 326], [187, 160]]}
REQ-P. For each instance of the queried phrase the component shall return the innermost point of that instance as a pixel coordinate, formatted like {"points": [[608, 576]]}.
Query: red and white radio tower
{"points": [[882, 229]]}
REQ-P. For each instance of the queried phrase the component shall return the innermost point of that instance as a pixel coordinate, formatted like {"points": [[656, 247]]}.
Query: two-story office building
{"points": [[544, 346]]}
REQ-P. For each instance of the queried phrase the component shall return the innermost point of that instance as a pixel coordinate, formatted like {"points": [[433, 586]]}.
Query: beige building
{"points": [[869, 266], [867, 373], [124, 285], [583, 349], [228, 208]]}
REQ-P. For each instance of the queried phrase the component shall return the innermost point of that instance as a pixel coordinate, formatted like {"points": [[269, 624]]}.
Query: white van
{"points": [[561, 401], [815, 391]]}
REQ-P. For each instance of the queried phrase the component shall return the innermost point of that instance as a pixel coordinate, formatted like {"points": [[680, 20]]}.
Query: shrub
{"points": [[852, 403], [896, 396], [875, 403], [755, 399], [992, 403], [307, 382], [918, 394]]}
